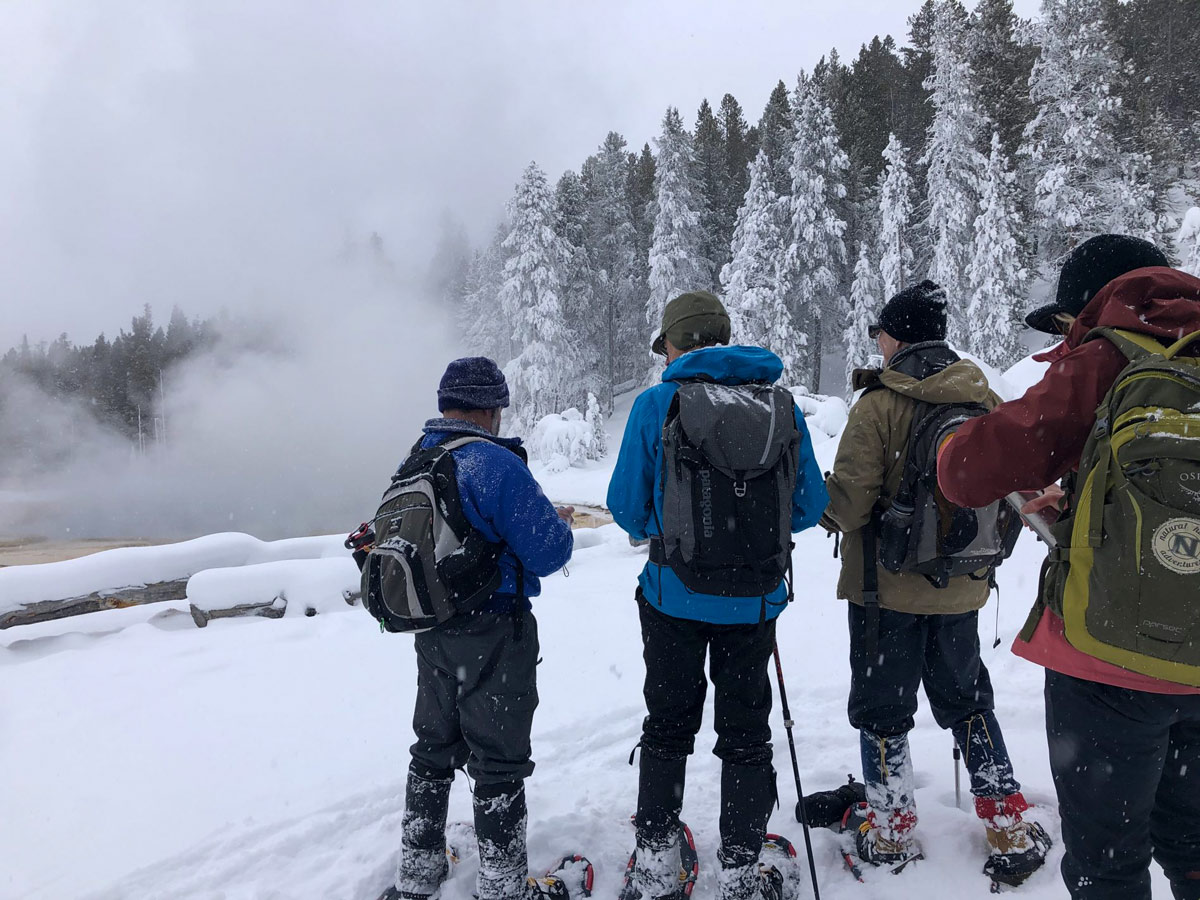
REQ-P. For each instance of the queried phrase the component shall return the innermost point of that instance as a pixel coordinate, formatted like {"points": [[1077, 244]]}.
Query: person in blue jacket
{"points": [[679, 627], [476, 673]]}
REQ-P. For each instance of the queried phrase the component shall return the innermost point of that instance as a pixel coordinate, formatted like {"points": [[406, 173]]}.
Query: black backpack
{"points": [[428, 563], [730, 454], [922, 531]]}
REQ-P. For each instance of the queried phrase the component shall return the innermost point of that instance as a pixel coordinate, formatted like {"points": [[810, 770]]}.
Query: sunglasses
{"points": [[874, 331]]}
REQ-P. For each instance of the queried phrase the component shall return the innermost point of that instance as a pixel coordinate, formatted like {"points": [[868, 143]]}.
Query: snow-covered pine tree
{"points": [[815, 252], [866, 299], [542, 376], [996, 311], [895, 221], [712, 182], [486, 329], [612, 240], [954, 162], [1001, 64], [1076, 164], [776, 131], [739, 153], [758, 309], [676, 259], [447, 273], [581, 314]]}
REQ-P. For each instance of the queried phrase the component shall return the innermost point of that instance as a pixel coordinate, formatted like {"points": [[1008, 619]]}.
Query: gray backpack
{"points": [[730, 454], [428, 563], [923, 532]]}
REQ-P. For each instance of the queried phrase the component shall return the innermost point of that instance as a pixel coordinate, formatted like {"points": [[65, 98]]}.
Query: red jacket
{"points": [[1034, 441]]}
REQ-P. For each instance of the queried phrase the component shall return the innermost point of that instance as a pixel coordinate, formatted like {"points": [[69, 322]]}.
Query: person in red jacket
{"points": [[1124, 747]]}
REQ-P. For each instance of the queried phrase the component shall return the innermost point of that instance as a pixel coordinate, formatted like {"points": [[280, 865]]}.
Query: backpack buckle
{"points": [[739, 489]]}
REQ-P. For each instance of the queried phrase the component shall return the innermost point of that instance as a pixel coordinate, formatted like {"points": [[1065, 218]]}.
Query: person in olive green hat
{"points": [[681, 627], [691, 320]]}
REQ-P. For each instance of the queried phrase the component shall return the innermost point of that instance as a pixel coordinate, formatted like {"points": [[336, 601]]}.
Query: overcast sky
{"points": [[201, 153]]}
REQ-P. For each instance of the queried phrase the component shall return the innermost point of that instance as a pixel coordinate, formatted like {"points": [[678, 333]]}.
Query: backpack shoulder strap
{"points": [[1135, 346], [1182, 344], [455, 443]]}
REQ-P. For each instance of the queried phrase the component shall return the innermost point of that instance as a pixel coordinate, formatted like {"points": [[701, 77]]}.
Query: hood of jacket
{"points": [[1161, 302], [736, 364], [929, 373]]}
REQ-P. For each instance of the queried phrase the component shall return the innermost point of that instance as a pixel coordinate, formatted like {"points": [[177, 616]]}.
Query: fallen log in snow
{"points": [[113, 598], [130, 576]]}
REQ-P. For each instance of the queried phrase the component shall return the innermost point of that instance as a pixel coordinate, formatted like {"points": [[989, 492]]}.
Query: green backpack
{"points": [[1125, 576]]}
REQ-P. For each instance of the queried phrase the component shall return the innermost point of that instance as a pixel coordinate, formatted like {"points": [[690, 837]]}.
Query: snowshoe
{"points": [[689, 869], [460, 841], [1013, 868], [871, 848], [778, 866], [571, 879]]}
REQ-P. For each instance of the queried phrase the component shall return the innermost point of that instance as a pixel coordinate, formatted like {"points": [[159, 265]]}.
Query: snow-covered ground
{"points": [[146, 758]]}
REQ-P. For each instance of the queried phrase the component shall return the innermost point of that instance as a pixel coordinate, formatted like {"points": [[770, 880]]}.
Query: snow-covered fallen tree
{"points": [[134, 575], [289, 587]]}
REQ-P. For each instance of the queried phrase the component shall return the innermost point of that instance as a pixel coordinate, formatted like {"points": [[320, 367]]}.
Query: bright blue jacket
{"points": [[501, 499], [635, 483]]}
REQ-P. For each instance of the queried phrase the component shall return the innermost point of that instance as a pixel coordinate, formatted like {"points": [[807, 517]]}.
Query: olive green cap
{"points": [[692, 319]]}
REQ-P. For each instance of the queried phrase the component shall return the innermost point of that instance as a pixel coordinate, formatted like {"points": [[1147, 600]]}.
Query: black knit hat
{"points": [[916, 314], [474, 382], [1088, 268]]}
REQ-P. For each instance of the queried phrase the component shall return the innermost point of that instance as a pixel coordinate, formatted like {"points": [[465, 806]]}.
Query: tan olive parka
{"points": [[870, 465]]}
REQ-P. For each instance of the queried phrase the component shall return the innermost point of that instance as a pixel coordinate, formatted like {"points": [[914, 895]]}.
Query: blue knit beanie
{"points": [[474, 382]]}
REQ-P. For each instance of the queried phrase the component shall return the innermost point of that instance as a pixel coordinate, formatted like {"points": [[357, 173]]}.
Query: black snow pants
{"points": [[738, 655], [1126, 767], [476, 694], [941, 652]]}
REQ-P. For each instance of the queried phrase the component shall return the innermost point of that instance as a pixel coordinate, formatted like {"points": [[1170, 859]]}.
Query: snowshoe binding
{"points": [[572, 879], [1021, 856], [689, 869], [778, 867]]}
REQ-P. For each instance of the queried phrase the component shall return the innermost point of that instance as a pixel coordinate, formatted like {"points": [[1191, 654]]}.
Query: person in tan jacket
{"points": [[908, 631]]}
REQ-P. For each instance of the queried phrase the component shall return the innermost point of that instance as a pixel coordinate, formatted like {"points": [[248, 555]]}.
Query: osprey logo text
{"points": [[706, 503], [1192, 489], [1177, 546]]}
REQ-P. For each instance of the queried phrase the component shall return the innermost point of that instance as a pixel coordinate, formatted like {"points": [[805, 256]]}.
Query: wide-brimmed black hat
{"points": [[1087, 269]]}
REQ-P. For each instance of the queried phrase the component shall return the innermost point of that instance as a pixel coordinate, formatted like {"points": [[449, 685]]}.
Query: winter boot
{"points": [[657, 867], [658, 864], [1018, 847], [423, 864], [889, 844], [749, 881], [500, 825]]}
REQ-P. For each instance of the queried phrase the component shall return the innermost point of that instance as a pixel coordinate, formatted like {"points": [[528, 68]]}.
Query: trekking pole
{"points": [[957, 782], [787, 724]]}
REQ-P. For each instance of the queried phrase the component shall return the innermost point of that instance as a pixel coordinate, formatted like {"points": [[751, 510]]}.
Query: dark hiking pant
{"points": [[942, 653], [476, 694], [738, 655], [1126, 767]]}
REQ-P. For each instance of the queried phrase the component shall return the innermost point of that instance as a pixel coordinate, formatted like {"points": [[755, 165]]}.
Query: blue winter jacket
{"points": [[501, 499], [635, 482]]}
